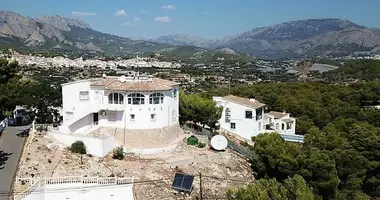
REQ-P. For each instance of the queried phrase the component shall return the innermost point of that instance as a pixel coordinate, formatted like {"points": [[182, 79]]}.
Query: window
{"points": [[175, 93], [288, 125], [277, 126], [259, 126], [132, 117], [83, 95], [228, 115], [153, 117], [282, 126], [259, 113], [136, 99], [233, 126], [115, 98], [156, 98], [248, 114]]}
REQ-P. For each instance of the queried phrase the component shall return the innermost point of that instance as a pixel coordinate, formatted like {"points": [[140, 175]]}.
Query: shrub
{"points": [[201, 145], [192, 140], [118, 153], [78, 147]]}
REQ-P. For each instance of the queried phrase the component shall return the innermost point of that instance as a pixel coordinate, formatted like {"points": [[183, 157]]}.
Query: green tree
{"points": [[274, 157], [294, 188], [193, 107]]}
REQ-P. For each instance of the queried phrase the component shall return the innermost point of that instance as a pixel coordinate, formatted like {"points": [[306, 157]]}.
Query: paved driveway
{"points": [[10, 152]]}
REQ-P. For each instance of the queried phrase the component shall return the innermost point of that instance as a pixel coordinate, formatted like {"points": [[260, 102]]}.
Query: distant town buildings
{"points": [[60, 61]]}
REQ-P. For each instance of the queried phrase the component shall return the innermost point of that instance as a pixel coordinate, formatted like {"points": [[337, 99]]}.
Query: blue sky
{"points": [[206, 18]]}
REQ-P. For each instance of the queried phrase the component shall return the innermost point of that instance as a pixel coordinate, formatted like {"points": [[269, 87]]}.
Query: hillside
{"points": [[60, 34], [48, 32], [295, 38]]}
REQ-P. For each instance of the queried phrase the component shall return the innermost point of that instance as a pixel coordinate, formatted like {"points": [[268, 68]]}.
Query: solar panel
{"points": [[183, 182]]}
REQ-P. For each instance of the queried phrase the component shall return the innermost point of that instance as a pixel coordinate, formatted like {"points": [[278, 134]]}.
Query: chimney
{"points": [[283, 112], [252, 98]]}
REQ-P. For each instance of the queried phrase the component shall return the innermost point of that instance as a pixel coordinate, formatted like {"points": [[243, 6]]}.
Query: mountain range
{"points": [[290, 39], [56, 32]]}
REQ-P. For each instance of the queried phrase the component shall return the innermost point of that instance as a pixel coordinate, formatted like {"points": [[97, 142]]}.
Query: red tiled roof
{"points": [[154, 84]]}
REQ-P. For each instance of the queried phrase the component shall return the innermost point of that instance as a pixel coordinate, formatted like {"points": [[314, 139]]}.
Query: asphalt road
{"points": [[10, 151]]}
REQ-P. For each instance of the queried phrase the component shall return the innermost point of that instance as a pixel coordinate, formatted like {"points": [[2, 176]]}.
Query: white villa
{"points": [[119, 102], [245, 117], [119, 111]]}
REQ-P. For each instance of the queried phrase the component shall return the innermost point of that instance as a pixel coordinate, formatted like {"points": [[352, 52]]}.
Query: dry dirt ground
{"points": [[153, 174]]}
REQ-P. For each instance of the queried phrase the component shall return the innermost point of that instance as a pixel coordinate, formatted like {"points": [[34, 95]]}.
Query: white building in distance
{"points": [[246, 118], [119, 102]]}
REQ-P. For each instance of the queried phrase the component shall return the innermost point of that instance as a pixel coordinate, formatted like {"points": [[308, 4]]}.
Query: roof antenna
{"points": [[138, 72]]}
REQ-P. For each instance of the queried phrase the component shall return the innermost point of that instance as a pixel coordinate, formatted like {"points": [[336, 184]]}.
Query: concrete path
{"points": [[10, 152]]}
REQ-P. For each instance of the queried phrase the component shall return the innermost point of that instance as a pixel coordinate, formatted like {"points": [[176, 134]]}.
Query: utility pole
{"points": [[200, 186]]}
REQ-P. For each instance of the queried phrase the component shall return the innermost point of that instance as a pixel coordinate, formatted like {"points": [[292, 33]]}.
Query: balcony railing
{"points": [[40, 183], [115, 107]]}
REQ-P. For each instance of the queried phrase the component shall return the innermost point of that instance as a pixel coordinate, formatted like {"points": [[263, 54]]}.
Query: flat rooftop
{"points": [[244, 101]]}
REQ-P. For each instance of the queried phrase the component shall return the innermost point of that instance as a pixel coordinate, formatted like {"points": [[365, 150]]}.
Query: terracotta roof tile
{"points": [[243, 101], [137, 85]]}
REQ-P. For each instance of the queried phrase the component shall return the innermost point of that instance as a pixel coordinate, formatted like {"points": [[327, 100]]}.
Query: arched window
{"points": [[115, 98], [136, 99], [156, 98]]}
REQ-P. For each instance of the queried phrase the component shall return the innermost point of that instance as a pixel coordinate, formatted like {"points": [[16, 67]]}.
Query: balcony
{"points": [[114, 107]]}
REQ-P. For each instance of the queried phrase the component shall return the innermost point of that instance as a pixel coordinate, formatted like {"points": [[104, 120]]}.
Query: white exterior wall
{"points": [[245, 128], [95, 146], [81, 117], [291, 131]]}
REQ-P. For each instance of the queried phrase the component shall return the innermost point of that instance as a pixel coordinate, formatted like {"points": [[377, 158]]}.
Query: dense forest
{"points": [[364, 70], [340, 158]]}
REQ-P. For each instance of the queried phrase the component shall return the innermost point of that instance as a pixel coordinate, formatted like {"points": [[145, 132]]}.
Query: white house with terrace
{"points": [[245, 117], [119, 102], [108, 111]]}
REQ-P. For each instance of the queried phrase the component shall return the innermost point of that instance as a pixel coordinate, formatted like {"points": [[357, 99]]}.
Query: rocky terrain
{"points": [[290, 39], [153, 174], [295, 38], [48, 32]]}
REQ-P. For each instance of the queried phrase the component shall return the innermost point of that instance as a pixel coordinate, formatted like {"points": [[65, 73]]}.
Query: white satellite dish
{"points": [[219, 142], [122, 79]]}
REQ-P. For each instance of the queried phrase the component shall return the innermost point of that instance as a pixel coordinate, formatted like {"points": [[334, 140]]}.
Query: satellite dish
{"points": [[219, 142], [122, 79]]}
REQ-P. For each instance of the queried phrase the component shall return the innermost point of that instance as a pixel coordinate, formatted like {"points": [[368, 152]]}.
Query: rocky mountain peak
{"points": [[63, 23]]}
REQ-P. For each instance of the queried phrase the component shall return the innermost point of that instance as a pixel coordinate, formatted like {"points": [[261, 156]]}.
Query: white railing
{"points": [[99, 136], [39, 183]]}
